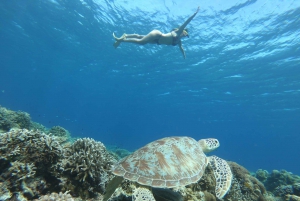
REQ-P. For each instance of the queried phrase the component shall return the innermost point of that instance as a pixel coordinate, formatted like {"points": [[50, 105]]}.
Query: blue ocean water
{"points": [[240, 82]]}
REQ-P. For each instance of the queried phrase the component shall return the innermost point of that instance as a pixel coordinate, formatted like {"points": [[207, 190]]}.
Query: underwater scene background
{"points": [[240, 82]]}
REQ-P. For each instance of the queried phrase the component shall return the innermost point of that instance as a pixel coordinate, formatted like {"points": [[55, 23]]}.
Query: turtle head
{"points": [[209, 144]]}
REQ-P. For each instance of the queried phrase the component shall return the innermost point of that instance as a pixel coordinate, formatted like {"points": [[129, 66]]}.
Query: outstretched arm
{"points": [[188, 21], [181, 49]]}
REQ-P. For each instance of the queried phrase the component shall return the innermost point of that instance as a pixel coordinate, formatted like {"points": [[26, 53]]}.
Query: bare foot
{"points": [[121, 38], [118, 40]]}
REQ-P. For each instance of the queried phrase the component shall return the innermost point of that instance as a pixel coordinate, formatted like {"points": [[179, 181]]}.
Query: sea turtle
{"points": [[172, 162]]}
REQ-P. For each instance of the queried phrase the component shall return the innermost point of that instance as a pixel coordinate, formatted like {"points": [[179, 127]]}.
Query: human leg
{"points": [[138, 39], [142, 40], [134, 36]]}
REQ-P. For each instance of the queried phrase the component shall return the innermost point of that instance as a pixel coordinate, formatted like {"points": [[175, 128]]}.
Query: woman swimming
{"points": [[157, 37]]}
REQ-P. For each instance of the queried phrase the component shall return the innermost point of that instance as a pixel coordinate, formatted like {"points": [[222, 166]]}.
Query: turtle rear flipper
{"points": [[111, 187], [223, 175]]}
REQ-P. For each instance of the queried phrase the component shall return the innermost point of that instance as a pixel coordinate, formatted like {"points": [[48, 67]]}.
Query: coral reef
{"points": [[261, 175], [27, 156], [292, 198], [34, 164], [86, 165], [281, 183], [280, 178], [42, 164], [62, 134], [245, 186], [11, 119], [5, 194], [57, 197], [29, 147]]}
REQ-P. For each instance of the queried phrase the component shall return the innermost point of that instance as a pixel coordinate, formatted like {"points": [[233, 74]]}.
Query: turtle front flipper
{"points": [[223, 175], [111, 187]]}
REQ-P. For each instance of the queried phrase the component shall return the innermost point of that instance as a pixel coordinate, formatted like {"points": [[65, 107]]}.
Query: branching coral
{"points": [[87, 164], [28, 155], [30, 147]]}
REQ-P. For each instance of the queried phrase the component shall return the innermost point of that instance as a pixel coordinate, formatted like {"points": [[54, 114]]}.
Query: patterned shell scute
{"points": [[165, 163]]}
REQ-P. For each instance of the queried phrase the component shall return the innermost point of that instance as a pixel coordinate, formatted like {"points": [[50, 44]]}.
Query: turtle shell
{"points": [[165, 163]]}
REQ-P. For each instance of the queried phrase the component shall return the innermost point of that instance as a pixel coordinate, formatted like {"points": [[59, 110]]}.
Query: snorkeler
{"points": [[157, 37]]}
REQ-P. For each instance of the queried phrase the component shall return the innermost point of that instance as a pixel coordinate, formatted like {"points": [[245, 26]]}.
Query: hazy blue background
{"points": [[240, 82]]}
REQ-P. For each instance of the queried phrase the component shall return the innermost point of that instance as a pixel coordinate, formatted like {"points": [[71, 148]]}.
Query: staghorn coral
{"points": [[30, 147], [86, 164], [28, 158]]}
